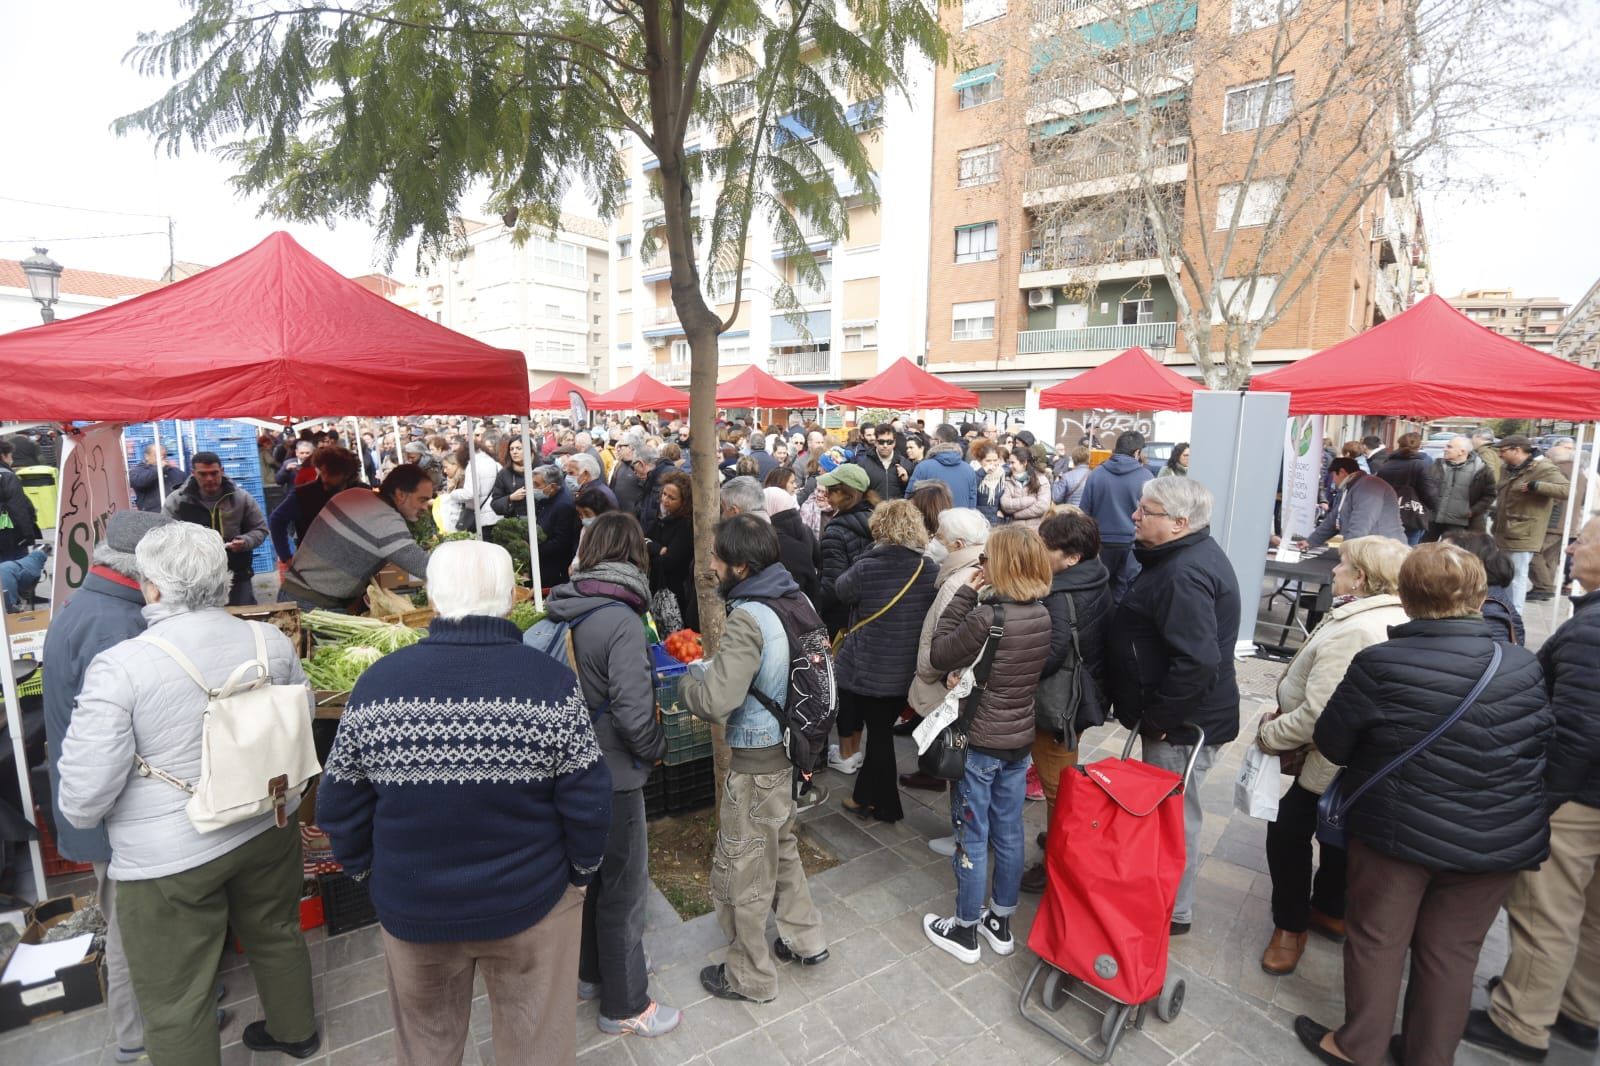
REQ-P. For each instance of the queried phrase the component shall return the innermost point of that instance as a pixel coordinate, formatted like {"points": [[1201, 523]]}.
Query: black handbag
{"points": [[1069, 701], [1333, 809], [946, 757]]}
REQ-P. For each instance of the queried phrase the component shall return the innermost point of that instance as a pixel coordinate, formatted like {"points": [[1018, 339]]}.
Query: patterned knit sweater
{"points": [[466, 781]]}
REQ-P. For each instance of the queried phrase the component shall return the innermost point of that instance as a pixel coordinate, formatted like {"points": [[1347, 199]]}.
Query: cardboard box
{"points": [[394, 578], [284, 616], [27, 630], [73, 987]]}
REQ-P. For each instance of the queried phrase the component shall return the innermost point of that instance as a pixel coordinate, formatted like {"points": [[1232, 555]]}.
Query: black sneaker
{"points": [[781, 948], [256, 1038], [714, 979], [1179, 929], [1576, 1033], [1033, 879], [996, 929], [1482, 1031], [1041, 837], [949, 935]]}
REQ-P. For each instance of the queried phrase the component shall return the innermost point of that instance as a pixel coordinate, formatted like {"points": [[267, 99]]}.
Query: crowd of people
{"points": [[913, 562]]}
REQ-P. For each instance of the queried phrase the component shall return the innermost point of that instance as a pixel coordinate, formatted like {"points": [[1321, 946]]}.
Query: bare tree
{"points": [[1253, 150]]}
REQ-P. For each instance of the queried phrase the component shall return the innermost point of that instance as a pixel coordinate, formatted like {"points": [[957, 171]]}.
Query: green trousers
{"points": [[173, 929]]}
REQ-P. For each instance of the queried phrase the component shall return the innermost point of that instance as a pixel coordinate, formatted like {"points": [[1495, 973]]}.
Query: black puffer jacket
{"points": [[880, 658], [1473, 800], [506, 482], [798, 551], [845, 539], [1002, 724], [1169, 651], [1571, 661]]}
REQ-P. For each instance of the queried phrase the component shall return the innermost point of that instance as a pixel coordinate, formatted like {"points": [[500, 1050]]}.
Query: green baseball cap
{"points": [[846, 474]]}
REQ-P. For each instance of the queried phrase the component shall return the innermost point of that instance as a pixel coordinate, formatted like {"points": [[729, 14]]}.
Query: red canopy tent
{"points": [[1431, 361], [1132, 381], [556, 395], [643, 393], [272, 333], [754, 387], [904, 386]]}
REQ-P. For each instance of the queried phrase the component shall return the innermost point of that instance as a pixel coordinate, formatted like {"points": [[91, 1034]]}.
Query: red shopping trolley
{"points": [[1113, 860]]}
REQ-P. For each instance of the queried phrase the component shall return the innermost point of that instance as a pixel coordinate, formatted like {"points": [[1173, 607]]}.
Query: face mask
{"points": [[937, 551], [586, 522], [572, 483]]}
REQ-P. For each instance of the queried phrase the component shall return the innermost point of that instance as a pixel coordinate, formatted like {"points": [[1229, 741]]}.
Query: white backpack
{"points": [[256, 748]]}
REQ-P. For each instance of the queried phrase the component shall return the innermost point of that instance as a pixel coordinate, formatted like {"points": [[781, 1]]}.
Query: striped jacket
{"points": [[353, 536]]}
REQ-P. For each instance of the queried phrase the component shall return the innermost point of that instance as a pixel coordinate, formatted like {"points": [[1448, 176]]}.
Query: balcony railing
{"points": [[661, 259], [1053, 11], [1095, 338], [1112, 164], [792, 364], [1086, 251], [1174, 62], [670, 373], [666, 313]]}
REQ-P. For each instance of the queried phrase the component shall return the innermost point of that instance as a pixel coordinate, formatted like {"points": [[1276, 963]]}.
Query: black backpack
{"points": [[811, 701]]}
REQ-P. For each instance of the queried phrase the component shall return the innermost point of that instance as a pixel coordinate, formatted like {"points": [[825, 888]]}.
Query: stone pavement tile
{"points": [[805, 1035], [378, 1051], [854, 875], [892, 1045], [681, 1045], [720, 1021], [839, 918], [679, 986], [693, 941], [917, 855], [1217, 1050], [354, 1022], [1226, 873], [890, 833], [912, 982], [878, 903], [863, 954], [479, 1019], [988, 996], [845, 841], [356, 981], [753, 1047], [859, 1009], [819, 981], [59, 1040], [347, 948], [905, 932], [986, 1048], [613, 1052], [917, 887]]}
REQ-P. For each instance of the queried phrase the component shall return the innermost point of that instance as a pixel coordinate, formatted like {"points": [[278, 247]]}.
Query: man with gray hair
{"points": [[743, 495], [625, 483], [586, 470], [1464, 487], [106, 610], [557, 514], [1169, 650]]}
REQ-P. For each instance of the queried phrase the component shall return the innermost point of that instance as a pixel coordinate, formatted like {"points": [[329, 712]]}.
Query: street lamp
{"points": [[1158, 351], [772, 363], [44, 282]]}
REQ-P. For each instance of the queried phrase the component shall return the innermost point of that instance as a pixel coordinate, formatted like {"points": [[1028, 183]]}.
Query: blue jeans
{"points": [[1520, 561], [18, 577], [986, 813]]}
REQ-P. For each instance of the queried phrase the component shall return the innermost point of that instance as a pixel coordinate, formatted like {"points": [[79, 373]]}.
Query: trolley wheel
{"points": [[1170, 1005], [1057, 986], [1111, 1023]]}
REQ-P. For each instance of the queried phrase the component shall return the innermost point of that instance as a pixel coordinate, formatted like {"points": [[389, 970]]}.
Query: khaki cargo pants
{"points": [[755, 868]]}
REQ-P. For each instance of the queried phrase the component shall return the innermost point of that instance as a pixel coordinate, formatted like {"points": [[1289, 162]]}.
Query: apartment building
{"points": [[1045, 262], [1578, 338], [871, 304], [549, 298], [1533, 320]]}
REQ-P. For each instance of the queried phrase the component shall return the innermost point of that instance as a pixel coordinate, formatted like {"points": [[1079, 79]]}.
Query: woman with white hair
{"points": [[179, 889], [466, 787]]}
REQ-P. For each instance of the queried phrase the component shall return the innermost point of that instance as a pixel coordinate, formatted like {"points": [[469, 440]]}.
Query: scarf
{"points": [[623, 578]]}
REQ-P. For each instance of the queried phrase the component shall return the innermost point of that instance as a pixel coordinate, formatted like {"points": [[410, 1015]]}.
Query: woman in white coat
{"points": [[1365, 605], [178, 889]]}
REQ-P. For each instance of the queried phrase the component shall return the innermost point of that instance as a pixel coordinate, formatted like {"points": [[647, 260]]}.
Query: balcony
{"points": [[1054, 97], [672, 373], [1072, 260], [804, 364], [1097, 338], [665, 314], [1097, 174], [658, 263]]}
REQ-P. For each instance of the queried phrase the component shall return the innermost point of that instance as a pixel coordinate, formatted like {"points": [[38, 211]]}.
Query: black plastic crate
{"points": [[655, 795], [346, 904], [689, 787]]}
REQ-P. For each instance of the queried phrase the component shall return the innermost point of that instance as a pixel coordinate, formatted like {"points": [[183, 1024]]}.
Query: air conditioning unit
{"points": [[658, 343], [1040, 298]]}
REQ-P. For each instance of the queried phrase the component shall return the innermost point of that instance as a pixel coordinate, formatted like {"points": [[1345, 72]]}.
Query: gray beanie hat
{"points": [[124, 530]]}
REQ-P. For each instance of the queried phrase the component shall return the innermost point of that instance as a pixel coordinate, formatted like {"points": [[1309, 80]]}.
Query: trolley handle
{"points": [[1194, 752]]}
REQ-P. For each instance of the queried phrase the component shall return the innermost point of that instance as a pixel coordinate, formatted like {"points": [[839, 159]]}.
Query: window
{"points": [[597, 296], [554, 351], [976, 11], [552, 311], [1254, 14], [972, 321], [741, 95], [596, 336], [980, 85], [975, 244], [624, 247], [1137, 312], [680, 353], [720, 284], [860, 338], [978, 166], [596, 319], [1233, 292], [1261, 200], [736, 351], [1260, 103], [558, 257]]}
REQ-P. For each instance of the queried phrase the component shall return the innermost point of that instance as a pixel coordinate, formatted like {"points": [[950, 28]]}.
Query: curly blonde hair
{"points": [[898, 522]]}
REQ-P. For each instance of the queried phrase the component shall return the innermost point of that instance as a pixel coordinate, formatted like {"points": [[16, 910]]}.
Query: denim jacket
{"points": [[752, 725]]}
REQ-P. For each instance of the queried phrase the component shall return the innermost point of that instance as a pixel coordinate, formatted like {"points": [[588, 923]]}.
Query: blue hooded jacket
{"points": [[944, 463], [1111, 495]]}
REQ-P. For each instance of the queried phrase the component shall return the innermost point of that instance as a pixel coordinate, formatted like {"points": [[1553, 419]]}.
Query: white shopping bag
{"points": [[1256, 791]]}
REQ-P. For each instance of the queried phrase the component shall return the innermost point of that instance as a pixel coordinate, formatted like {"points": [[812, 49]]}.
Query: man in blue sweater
{"points": [[946, 463], [1110, 496], [466, 787]]}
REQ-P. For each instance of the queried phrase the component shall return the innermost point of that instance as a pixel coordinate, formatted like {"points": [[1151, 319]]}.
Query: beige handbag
{"points": [[256, 746]]}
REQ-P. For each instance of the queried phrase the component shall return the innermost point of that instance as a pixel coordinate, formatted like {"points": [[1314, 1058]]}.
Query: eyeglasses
{"points": [[1152, 514], [886, 442]]}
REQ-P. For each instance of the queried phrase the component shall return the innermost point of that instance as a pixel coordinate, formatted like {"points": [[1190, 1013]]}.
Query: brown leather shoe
{"points": [[1332, 928], [1283, 952], [924, 781]]}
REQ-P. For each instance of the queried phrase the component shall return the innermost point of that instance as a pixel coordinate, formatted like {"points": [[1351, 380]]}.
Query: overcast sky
{"points": [[65, 82]]}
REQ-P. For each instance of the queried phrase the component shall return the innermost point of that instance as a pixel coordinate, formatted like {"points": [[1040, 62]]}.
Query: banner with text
{"points": [[94, 486], [1302, 474]]}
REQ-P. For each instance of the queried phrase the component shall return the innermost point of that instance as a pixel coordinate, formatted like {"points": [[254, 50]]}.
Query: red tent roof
{"points": [[272, 333], [904, 386], [1431, 361], [643, 393], [1130, 382], [754, 387], [553, 395]]}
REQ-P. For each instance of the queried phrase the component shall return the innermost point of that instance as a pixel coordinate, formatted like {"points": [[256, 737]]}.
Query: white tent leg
{"points": [[361, 457], [472, 477], [14, 724], [1567, 519], [533, 526], [161, 467]]}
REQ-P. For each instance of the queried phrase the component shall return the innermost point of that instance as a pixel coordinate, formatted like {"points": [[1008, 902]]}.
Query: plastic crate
{"points": [[346, 904], [688, 787], [688, 737], [54, 864], [655, 795]]}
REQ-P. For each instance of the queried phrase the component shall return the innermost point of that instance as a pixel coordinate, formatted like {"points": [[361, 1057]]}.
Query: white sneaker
{"points": [[942, 845], [843, 765]]}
